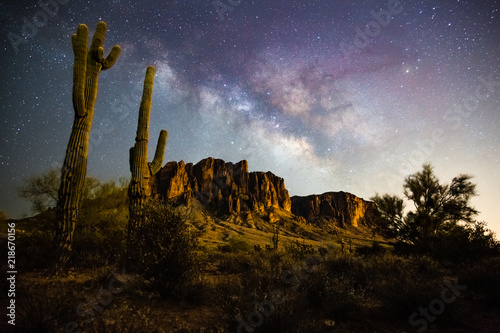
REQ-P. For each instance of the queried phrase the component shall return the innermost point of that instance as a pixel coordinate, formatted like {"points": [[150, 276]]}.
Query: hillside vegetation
{"points": [[349, 280]]}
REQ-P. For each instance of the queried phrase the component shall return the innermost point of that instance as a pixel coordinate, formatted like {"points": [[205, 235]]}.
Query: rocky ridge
{"points": [[228, 189], [339, 208]]}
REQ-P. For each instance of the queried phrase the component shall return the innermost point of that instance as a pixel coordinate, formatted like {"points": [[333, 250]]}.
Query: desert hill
{"points": [[222, 200]]}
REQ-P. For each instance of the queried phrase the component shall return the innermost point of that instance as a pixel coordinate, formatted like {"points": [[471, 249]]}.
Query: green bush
{"points": [[101, 231], [100, 238], [167, 250], [236, 244], [240, 244]]}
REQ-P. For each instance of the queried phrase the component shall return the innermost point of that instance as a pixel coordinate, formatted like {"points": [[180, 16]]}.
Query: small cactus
{"points": [[275, 238], [88, 64], [139, 189]]}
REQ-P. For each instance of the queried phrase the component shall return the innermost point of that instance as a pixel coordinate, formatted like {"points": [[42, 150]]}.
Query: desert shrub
{"points": [[340, 287], [266, 286], [34, 241], [101, 231], [100, 240], [298, 250], [483, 277], [37, 249], [472, 242], [404, 284], [374, 249], [46, 310], [236, 244], [456, 244], [337, 286], [167, 250], [234, 263], [123, 318]]}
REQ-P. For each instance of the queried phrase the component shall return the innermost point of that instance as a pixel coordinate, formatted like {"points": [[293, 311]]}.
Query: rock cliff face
{"points": [[225, 187], [342, 209]]}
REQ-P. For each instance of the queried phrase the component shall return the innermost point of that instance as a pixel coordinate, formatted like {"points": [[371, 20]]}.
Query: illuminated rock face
{"points": [[341, 208], [225, 187], [228, 188]]}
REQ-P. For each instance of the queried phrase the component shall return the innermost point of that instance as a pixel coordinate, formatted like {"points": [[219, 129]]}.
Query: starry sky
{"points": [[330, 95]]}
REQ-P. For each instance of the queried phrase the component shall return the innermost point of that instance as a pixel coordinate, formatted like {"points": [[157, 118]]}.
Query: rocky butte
{"points": [[225, 188], [339, 208], [229, 189]]}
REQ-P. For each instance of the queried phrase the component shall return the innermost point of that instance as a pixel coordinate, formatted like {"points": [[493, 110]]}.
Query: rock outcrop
{"points": [[338, 208], [229, 189], [226, 188]]}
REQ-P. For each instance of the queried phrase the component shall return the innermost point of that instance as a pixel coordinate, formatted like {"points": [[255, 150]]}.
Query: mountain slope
{"points": [[223, 200]]}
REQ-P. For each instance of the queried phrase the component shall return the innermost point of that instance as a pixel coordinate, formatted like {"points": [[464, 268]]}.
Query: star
{"points": [[296, 87]]}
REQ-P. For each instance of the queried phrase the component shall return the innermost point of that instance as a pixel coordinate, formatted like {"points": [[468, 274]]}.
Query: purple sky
{"points": [[330, 95]]}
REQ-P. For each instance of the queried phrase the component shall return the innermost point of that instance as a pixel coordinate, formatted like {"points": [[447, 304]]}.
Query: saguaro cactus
{"points": [[275, 238], [139, 189], [87, 66]]}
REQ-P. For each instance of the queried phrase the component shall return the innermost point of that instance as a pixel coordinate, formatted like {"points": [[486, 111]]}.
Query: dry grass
{"points": [[376, 291]]}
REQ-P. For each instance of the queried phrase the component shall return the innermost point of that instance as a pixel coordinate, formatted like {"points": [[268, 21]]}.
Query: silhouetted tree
{"points": [[390, 215], [41, 190], [438, 207], [438, 204]]}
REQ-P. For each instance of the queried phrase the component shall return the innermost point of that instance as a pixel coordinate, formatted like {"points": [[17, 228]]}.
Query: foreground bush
{"points": [[458, 244], [483, 277], [166, 250], [100, 236], [36, 249], [272, 292]]}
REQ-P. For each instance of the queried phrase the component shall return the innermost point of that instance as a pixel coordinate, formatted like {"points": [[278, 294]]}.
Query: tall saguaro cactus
{"points": [[88, 64], [139, 189]]}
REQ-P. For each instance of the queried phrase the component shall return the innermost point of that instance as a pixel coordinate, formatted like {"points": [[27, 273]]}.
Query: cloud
{"points": [[289, 156], [266, 147], [321, 102], [285, 90]]}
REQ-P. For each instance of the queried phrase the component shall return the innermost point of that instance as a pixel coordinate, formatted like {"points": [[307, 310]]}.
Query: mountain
{"points": [[339, 208], [224, 188], [229, 191]]}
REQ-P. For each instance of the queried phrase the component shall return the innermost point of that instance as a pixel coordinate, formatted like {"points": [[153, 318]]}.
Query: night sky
{"points": [[330, 95]]}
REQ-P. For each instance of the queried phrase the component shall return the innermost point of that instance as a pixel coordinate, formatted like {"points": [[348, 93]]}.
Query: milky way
{"points": [[330, 95]]}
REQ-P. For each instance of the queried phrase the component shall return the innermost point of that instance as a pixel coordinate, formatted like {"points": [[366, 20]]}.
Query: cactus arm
{"points": [[97, 50], [79, 42], [112, 57], [95, 63], [155, 166], [98, 40], [145, 108]]}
